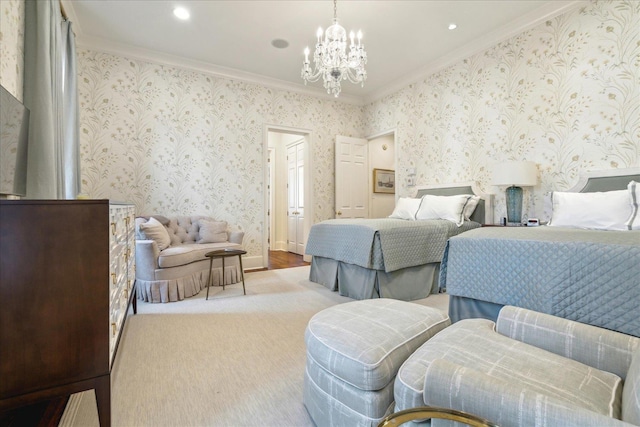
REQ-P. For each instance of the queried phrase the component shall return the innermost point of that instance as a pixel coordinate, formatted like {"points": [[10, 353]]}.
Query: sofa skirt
{"points": [[172, 290]]}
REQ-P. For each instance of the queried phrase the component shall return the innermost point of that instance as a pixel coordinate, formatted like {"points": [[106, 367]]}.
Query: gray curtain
{"points": [[71, 138], [50, 93]]}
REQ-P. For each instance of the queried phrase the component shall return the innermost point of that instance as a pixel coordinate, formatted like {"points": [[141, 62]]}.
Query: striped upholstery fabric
{"points": [[474, 344], [354, 351], [531, 369], [631, 392], [597, 347], [372, 404], [364, 342], [508, 404]]}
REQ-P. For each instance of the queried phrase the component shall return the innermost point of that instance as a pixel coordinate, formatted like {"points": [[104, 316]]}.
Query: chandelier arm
{"points": [[313, 75], [354, 77]]}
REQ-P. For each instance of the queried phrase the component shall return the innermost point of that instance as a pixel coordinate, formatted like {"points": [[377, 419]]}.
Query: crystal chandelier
{"points": [[331, 61]]}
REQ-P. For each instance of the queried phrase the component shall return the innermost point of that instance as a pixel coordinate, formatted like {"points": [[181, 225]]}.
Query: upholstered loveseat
{"points": [[170, 256]]}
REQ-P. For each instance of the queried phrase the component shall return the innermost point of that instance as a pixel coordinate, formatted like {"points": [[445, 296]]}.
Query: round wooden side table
{"points": [[222, 254]]}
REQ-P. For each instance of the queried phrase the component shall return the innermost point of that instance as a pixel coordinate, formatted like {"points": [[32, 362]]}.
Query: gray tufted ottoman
{"points": [[354, 351]]}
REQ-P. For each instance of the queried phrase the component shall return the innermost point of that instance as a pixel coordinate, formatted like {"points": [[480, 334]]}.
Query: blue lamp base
{"points": [[514, 204]]}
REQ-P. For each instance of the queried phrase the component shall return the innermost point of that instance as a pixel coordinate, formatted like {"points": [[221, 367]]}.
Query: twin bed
{"points": [[591, 276], [387, 257]]}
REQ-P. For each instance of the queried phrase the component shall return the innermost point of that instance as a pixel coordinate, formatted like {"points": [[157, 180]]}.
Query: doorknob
{"points": [[339, 213]]}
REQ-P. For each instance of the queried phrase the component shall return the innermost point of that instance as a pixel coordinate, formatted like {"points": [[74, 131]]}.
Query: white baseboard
{"points": [[280, 246], [252, 262]]}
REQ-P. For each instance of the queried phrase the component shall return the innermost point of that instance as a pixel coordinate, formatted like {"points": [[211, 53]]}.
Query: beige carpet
{"points": [[233, 360]]}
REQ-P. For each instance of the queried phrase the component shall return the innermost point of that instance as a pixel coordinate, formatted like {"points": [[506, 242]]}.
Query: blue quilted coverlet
{"points": [[382, 244], [588, 276]]}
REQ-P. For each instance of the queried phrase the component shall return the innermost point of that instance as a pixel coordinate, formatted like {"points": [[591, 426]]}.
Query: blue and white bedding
{"points": [[383, 244], [588, 276]]}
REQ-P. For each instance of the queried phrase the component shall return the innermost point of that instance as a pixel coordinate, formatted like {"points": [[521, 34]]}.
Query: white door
{"points": [[295, 198], [352, 177]]}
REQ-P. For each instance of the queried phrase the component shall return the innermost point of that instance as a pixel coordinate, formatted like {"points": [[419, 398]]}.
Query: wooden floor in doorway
{"points": [[282, 259]]}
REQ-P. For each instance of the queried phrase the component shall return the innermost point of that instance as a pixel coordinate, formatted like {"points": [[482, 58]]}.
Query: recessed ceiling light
{"points": [[279, 43], [181, 13], [452, 26]]}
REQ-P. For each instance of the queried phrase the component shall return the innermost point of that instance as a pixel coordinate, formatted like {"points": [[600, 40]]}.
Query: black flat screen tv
{"points": [[14, 140]]}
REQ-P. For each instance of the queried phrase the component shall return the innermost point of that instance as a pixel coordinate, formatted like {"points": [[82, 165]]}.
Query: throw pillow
{"points": [[633, 223], [470, 207], [154, 230], [607, 210], [406, 208], [212, 231], [450, 208]]}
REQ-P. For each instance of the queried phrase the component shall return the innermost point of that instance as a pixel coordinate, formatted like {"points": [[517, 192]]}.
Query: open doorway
{"points": [[287, 190]]}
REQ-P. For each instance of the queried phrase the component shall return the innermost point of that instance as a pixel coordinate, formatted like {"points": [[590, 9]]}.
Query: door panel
{"points": [[352, 177], [295, 192]]}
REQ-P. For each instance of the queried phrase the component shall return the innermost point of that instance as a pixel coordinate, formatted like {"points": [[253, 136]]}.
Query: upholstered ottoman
{"points": [[354, 351]]}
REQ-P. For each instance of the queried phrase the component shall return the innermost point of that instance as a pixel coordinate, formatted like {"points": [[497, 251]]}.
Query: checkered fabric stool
{"points": [[354, 351]]}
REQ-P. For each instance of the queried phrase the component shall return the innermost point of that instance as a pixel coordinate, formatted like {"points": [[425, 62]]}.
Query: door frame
{"points": [[308, 182]]}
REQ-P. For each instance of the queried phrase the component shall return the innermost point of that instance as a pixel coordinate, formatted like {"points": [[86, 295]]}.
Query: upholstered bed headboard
{"points": [[484, 211], [615, 179]]}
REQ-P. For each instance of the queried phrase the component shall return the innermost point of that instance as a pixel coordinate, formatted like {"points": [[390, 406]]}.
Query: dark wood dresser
{"points": [[58, 326]]}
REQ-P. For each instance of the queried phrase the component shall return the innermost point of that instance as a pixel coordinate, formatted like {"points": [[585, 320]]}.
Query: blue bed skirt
{"points": [[359, 283]]}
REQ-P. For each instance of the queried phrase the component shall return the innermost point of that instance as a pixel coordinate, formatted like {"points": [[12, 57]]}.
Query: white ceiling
{"points": [[404, 40]]}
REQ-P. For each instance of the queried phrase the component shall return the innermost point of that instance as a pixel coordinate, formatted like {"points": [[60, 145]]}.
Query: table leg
{"points": [[223, 273], [244, 291], [210, 278]]}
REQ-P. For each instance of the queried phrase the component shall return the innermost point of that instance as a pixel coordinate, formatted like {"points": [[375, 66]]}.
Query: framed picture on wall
{"points": [[384, 181]]}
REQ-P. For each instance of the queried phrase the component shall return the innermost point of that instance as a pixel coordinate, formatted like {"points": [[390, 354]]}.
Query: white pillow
{"points": [[406, 208], [633, 223], [450, 208], [212, 231], [154, 230], [470, 207], [607, 210]]}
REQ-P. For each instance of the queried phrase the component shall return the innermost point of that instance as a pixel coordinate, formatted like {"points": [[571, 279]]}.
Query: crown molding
{"points": [[524, 23], [107, 46], [121, 49]]}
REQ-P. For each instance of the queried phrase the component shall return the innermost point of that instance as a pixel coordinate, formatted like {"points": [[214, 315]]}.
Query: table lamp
{"points": [[515, 174]]}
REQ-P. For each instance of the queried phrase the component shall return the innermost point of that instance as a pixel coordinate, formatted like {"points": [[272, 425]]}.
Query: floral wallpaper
{"points": [[180, 142], [12, 46], [565, 94]]}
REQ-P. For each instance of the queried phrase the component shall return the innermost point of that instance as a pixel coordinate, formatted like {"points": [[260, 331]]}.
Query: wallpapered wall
{"points": [[12, 46], [565, 94], [179, 142]]}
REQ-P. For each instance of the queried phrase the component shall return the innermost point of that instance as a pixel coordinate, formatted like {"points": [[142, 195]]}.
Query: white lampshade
{"points": [[521, 173]]}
